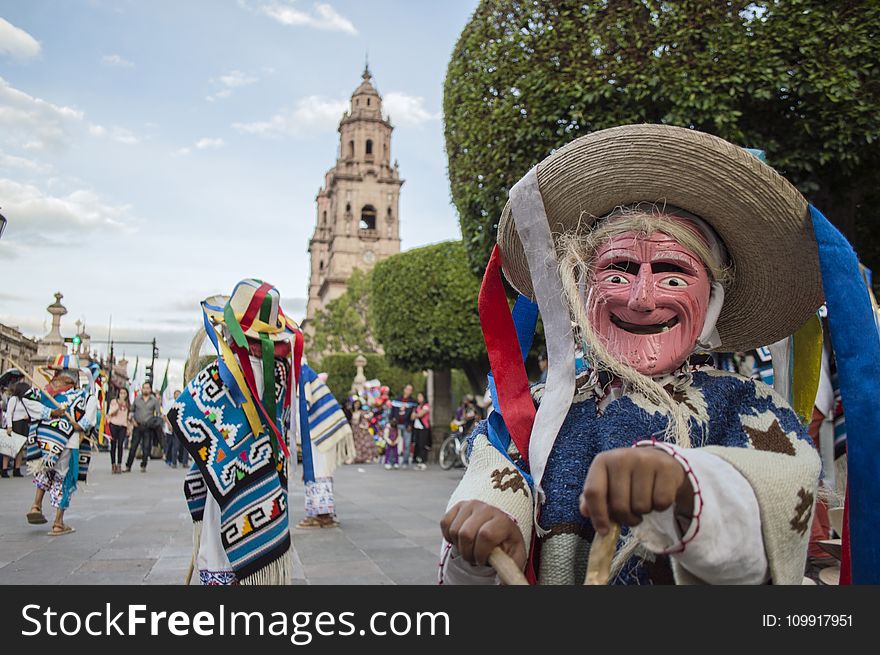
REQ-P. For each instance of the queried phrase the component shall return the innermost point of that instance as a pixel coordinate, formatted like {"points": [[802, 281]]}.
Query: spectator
{"points": [[421, 417], [17, 422], [145, 407], [364, 444], [403, 407], [467, 414], [172, 444], [119, 419], [392, 444]]}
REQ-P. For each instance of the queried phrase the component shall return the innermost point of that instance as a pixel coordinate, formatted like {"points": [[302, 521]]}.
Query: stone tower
{"points": [[357, 208]]}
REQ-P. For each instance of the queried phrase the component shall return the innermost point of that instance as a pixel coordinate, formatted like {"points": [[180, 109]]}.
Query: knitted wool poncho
{"points": [[740, 420]]}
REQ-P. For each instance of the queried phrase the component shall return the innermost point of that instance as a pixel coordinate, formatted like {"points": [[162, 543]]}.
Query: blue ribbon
{"points": [[225, 374], [305, 432], [857, 351]]}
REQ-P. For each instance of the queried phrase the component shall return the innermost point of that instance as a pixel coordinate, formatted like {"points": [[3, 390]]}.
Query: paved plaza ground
{"points": [[135, 529]]}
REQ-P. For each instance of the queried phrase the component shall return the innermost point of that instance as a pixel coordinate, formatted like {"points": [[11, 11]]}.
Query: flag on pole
{"points": [[165, 379], [134, 377]]}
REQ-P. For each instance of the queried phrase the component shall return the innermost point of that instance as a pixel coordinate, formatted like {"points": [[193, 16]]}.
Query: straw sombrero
{"points": [[254, 307], [762, 218]]}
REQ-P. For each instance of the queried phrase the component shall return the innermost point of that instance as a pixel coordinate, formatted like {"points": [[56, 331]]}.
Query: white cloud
{"points": [[16, 42], [228, 82], [311, 114], [202, 144], [115, 133], [236, 78], [37, 218], [33, 123], [23, 165], [403, 108], [323, 16], [116, 61]]}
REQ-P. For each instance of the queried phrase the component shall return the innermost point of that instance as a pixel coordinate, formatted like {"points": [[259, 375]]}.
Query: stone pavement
{"points": [[135, 529]]}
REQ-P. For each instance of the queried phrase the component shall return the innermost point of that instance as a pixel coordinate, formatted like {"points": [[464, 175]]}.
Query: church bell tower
{"points": [[357, 222]]}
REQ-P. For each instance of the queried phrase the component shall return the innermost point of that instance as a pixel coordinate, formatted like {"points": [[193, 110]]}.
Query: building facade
{"points": [[357, 222], [15, 345]]}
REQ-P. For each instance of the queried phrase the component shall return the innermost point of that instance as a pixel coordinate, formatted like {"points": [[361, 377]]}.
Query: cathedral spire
{"points": [[367, 75]]}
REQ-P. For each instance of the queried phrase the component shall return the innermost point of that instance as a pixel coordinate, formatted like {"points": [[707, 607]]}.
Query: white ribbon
{"points": [[530, 219]]}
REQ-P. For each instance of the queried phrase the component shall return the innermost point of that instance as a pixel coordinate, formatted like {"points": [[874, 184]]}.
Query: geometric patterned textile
{"points": [[49, 436], [236, 467]]}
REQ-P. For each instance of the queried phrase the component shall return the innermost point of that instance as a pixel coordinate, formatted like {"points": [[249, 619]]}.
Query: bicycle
{"points": [[453, 452]]}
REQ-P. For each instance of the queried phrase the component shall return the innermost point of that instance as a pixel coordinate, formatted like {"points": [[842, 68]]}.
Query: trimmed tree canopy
{"points": [[796, 78], [424, 309]]}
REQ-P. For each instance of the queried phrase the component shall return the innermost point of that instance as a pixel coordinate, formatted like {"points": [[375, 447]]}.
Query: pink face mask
{"points": [[649, 300]]}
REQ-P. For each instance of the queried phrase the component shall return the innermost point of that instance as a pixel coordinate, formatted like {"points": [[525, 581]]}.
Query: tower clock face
{"points": [[369, 256]]}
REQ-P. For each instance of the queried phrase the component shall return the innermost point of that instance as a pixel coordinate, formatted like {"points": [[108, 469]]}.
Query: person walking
{"points": [[421, 417], [144, 408], [64, 415], [17, 422], [118, 416]]}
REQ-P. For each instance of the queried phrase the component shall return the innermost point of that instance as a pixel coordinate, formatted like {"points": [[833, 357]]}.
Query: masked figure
{"points": [[235, 417], [645, 247], [59, 451]]}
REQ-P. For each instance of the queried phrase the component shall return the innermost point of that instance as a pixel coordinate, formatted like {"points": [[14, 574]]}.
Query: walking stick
{"points": [[70, 418], [601, 554], [508, 572]]}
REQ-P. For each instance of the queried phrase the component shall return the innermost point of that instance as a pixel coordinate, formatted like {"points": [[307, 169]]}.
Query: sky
{"points": [[154, 153]]}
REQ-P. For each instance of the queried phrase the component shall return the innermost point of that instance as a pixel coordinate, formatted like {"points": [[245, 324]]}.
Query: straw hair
{"points": [[760, 217]]}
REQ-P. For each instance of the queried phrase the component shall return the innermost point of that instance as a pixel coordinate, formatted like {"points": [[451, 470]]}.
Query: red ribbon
{"points": [[254, 306], [505, 357]]}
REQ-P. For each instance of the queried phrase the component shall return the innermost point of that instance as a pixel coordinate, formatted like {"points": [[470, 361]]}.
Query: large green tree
{"points": [[797, 78], [424, 309]]}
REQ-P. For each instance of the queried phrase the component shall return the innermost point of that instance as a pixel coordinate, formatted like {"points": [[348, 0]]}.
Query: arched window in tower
{"points": [[369, 146], [324, 218], [368, 102], [321, 265], [351, 149], [368, 218], [389, 215]]}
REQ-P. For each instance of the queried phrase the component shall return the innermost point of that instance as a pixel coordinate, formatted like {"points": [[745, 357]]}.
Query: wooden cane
{"points": [[601, 554], [507, 570], [70, 418]]}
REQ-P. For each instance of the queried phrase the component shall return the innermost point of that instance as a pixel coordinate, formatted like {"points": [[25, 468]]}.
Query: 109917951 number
{"points": [[818, 620]]}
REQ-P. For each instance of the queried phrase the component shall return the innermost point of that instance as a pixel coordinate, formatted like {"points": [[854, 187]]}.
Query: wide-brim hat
{"points": [[67, 363], [762, 218], [255, 307]]}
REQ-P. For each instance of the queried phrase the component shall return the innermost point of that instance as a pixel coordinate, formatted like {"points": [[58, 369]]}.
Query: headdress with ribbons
{"points": [[253, 312], [784, 252]]}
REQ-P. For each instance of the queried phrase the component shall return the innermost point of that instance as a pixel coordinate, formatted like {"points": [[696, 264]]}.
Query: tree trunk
{"points": [[442, 409]]}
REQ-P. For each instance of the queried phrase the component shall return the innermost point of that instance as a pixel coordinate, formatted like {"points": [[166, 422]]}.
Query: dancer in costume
{"points": [[59, 450], [656, 243], [324, 432], [235, 417]]}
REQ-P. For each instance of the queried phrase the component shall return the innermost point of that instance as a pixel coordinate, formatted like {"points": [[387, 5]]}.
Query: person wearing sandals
{"points": [[235, 417], [323, 428], [119, 420], [59, 454], [645, 247]]}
